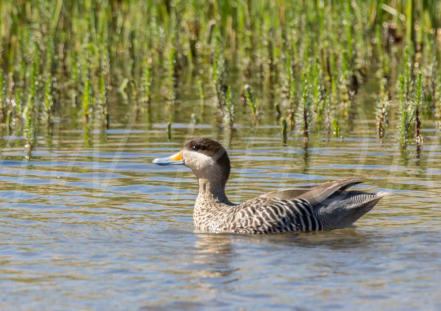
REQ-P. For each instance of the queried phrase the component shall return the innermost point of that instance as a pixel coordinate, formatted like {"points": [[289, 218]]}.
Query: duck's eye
{"points": [[195, 147]]}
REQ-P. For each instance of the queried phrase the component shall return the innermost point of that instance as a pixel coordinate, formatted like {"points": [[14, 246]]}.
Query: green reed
{"points": [[148, 81], [172, 73], [306, 100], [169, 130], [317, 103], [382, 109], [251, 101], [219, 72], [48, 102], [103, 101], [18, 104], [410, 23], [229, 109], [404, 111], [3, 104], [201, 94], [29, 128], [293, 102], [418, 102], [284, 130], [437, 99], [54, 50], [85, 102]]}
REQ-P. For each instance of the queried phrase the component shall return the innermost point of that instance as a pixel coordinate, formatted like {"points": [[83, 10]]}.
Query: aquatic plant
{"points": [[48, 102], [219, 77], [437, 100], [169, 130], [306, 100], [18, 105], [410, 23], [29, 129], [404, 111], [293, 102], [229, 110], [382, 109], [103, 101], [3, 104], [172, 73], [85, 103], [305, 60], [251, 101], [148, 81], [284, 130], [418, 104], [201, 96], [405, 89]]}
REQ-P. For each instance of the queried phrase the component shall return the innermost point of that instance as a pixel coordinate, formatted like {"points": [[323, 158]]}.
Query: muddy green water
{"points": [[91, 224]]}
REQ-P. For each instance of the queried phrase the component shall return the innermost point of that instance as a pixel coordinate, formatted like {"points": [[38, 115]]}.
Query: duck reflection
{"points": [[217, 252], [214, 254], [336, 239], [347, 238]]}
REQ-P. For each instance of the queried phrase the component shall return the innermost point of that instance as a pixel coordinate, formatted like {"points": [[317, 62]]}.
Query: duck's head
{"points": [[207, 158]]}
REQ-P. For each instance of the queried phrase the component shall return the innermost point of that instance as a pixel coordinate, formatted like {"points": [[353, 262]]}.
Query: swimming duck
{"points": [[323, 207]]}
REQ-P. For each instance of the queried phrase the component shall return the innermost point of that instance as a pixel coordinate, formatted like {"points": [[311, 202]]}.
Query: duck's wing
{"points": [[312, 194], [287, 194], [320, 193], [323, 207]]}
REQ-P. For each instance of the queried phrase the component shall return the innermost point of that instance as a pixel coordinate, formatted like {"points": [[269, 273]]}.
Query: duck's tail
{"points": [[337, 207], [343, 208]]}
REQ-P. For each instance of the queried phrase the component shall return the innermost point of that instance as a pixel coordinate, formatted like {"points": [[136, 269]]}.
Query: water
{"points": [[90, 224]]}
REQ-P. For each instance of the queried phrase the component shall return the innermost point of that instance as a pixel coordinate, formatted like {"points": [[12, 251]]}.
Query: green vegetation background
{"points": [[299, 62]]}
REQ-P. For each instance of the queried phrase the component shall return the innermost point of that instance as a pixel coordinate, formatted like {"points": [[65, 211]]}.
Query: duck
{"points": [[327, 206]]}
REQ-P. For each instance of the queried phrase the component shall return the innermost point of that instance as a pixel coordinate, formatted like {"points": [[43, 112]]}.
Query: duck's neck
{"points": [[211, 192]]}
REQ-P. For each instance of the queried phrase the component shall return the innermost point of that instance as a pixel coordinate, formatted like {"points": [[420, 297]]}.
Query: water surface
{"points": [[90, 224]]}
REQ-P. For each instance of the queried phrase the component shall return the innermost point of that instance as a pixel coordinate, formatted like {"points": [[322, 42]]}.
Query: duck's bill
{"points": [[171, 160]]}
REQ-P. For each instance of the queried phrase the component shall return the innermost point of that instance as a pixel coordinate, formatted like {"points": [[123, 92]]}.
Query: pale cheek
{"points": [[197, 161]]}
